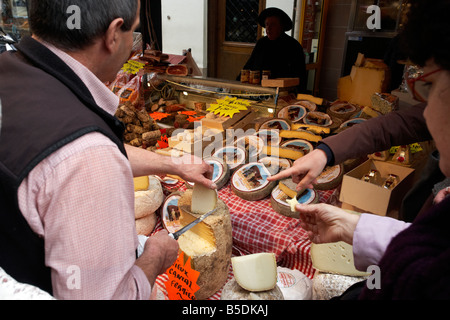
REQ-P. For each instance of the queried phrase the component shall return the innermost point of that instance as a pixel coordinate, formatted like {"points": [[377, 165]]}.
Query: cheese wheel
{"points": [[330, 177], [253, 146], [275, 165], [232, 156], [208, 244], [293, 113], [342, 110], [145, 225], [299, 144], [309, 105], [276, 124], [170, 213], [269, 137], [327, 285], [278, 200], [317, 118], [147, 201], [250, 182], [233, 291]]}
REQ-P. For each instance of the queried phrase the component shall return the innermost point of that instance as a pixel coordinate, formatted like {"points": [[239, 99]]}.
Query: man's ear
{"points": [[112, 34]]}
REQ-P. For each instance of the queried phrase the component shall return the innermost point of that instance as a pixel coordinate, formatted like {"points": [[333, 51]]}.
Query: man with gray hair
{"points": [[66, 177]]}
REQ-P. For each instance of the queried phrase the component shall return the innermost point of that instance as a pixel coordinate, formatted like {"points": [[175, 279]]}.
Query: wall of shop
{"points": [[334, 46], [185, 27]]}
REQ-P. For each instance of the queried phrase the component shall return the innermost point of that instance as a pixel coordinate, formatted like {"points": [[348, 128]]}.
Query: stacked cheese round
{"points": [[148, 197]]}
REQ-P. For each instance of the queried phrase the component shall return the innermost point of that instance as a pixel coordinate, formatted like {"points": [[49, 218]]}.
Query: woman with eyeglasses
{"points": [[413, 258]]}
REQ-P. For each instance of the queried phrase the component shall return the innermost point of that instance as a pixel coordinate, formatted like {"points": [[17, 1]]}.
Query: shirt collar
{"points": [[104, 97]]}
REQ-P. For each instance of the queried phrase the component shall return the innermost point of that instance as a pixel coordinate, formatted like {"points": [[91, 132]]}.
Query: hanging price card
{"points": [[182, 283]]}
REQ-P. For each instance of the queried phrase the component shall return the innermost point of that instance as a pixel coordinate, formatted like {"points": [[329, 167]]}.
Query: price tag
{"points": [[133, 66], [228, 107], [182, 283]]}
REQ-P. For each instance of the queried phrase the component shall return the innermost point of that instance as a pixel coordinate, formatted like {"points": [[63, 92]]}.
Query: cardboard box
{"points": [[373, 198]]}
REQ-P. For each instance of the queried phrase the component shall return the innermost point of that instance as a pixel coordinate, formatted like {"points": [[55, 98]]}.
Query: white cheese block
{"points": [[250, 182], [204, 199], [147, 201], [255, 272], [233, 291], [336, 258]]}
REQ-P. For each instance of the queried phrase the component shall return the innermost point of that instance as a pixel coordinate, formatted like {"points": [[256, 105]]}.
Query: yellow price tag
{"points": [[229, 106]]}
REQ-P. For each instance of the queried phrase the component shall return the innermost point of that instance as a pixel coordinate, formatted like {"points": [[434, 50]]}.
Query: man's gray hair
{"points": [[48, 20]]}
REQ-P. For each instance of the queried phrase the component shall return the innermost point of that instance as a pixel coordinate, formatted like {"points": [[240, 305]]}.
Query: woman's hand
{"points": [[325, 223]]}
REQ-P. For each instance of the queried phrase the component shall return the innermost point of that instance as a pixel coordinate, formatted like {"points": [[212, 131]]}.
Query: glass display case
{"points": [[190, 90], [14, 18]]}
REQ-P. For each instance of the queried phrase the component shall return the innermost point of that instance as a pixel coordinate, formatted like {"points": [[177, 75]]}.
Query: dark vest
{"points": [[44, 107]]}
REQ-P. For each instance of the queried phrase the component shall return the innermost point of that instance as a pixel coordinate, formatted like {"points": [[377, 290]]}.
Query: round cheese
{"points": [[327, 285], [299, 144], [276, 124], [275, 165], [347, 124], [269, 137], [342, 110], [208, 244], [233, 291], [221, 172], [145, 225], [250, 182], [330, 177], [293, 113], [318, 119], [170, 213], [294, 284], [233, 156], [280, 205], [310, 106], [253, 146], [148, 201], [255, 272]]}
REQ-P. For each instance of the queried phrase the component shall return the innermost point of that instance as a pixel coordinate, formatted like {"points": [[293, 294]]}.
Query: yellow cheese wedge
{"points": [[300, 134], [255, 272], [203, 199], [283, 152], [141, 183]]}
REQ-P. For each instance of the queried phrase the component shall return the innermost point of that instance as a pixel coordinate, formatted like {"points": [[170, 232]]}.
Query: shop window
{"points": [[241, 20]]}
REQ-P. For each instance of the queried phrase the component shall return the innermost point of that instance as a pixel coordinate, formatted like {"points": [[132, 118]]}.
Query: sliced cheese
{"points": [[336, 258], [283, 152], [204, 199], [255, 272], [300, 134], [141, 183], [309, 97]]}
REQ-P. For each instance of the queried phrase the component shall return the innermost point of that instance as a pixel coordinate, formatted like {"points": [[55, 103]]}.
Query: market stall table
{"points": [[258, 228]]}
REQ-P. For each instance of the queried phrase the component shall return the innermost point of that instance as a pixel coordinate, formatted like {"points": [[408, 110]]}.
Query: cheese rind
{"points": [[233, 291], [255, 272]]}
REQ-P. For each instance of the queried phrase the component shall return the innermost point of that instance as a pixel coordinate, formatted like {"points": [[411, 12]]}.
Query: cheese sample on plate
{"points": [[255, 272], [336, 258]]}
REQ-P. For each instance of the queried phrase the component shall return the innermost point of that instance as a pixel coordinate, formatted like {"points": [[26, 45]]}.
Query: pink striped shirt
{"points": [[81, 200]]}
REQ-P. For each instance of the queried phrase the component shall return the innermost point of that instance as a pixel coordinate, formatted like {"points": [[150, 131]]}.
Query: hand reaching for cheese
{"points": [[160, 252], [305, 170], [325, 223], [196, 170]]}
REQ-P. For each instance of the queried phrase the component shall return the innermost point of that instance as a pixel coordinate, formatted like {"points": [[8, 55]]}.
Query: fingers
{"points": [[282, 175]]}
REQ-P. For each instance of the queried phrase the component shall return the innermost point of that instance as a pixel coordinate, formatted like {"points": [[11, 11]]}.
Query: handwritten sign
{"points": [[229, 106], [133, 66], [182, 283]]}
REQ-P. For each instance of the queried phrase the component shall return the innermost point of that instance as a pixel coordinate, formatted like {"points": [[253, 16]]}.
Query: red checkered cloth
{"points": [[258, 228]]}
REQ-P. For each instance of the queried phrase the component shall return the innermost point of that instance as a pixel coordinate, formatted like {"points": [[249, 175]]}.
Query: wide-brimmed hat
{"points": [[270, 12]]}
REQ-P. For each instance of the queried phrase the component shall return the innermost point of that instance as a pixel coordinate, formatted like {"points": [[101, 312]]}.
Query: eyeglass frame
{"points": [[412, 83]]}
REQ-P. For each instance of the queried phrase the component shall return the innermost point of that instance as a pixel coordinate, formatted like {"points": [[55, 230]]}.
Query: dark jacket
{"points": [[284, 57]]}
